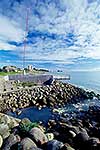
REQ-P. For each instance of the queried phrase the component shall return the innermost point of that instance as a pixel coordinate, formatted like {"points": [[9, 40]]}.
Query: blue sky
{"points": [[62, 34]]}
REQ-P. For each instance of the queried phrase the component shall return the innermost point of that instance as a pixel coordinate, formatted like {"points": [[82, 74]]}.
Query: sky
{"points": [[61, 34]]}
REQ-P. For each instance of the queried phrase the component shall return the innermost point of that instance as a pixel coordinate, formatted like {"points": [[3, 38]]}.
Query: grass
{"points": [[20, 72], [9, 73], [25, 84]]}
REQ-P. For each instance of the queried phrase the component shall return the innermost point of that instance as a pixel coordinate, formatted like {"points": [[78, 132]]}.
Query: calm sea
{"points": [[88, 80]]}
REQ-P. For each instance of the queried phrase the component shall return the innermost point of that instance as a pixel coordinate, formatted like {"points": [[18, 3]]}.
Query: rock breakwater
{"points": [[55, 95]]}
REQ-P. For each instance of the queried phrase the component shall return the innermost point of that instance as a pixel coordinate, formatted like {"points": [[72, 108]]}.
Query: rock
{"points": [[25, 121], [10, 141], [50, 136], [14, 122], [35, 148], [4, 130], [93, 142], [53, 145], [27, 144], [1, 141], [10, 121], [37, 135], [67, 147], [18, 112], [5, 119], [73, 134], [13, 109], [80, 139]]}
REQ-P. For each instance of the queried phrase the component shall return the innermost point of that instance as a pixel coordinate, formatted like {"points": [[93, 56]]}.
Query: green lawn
{"points": [[20, 72], [9, 73]]}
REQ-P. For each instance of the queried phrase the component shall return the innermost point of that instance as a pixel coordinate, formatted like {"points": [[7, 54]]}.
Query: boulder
{"points": [[4, 130], [80, 139], [27, 144], [25, 121], [53, 145], [93, 142], [37, 135], [5, 119], [10, 141], [10, 121], [67, 147], [1, 141]]}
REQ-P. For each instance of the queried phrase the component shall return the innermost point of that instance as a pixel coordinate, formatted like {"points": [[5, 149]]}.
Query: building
{"points": [[30, 67]]}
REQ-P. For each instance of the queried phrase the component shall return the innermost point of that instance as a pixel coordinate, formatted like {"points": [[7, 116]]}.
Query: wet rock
{"points": [[74, 129], [18, 112], [10, 141], [1, 141], [37, 135], [80, 139], [72, 133], [27, 144], [53, 145], [93, 142]]}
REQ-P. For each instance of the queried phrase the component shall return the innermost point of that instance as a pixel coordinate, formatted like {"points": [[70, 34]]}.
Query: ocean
{"points": [[88, 80]]}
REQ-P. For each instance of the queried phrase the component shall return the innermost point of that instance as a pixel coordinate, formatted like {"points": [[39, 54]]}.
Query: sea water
{"points": [[86, 79]]}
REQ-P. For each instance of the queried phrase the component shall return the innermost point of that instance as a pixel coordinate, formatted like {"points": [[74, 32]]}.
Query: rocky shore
{"points": [[78, 132], [74, 134], [56, 95]]}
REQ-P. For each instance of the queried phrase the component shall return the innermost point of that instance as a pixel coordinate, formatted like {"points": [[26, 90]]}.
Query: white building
{"points": [[30, 67]]}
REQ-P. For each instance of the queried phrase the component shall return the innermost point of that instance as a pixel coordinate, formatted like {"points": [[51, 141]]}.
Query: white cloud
{"points": [[59, 17], [6, 46], [10, 30]]}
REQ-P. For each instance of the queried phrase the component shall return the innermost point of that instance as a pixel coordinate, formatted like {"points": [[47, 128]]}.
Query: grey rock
{"points": [[93, 142], [27, 144], [38, 135], [25, 121], [4, 130], [35, 148], [1, 141], [10, 141], [54, 145]]}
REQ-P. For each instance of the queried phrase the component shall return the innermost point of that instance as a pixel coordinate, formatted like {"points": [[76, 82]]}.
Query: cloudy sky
{"points": [[62, 34]]}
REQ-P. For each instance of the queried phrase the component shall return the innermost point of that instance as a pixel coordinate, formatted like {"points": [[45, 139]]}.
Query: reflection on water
{"points": [[34, 114]]}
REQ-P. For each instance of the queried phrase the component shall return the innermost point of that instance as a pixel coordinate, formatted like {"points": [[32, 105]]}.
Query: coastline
{"points": [[53, 96], [63, 131]]}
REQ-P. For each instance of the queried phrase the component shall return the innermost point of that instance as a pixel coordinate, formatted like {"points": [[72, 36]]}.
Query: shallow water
{"points": [[71, 111], [34, 114]]}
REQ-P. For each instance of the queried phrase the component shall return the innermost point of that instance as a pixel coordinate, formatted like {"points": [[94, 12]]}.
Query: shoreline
{"points": [[59, 133]]}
